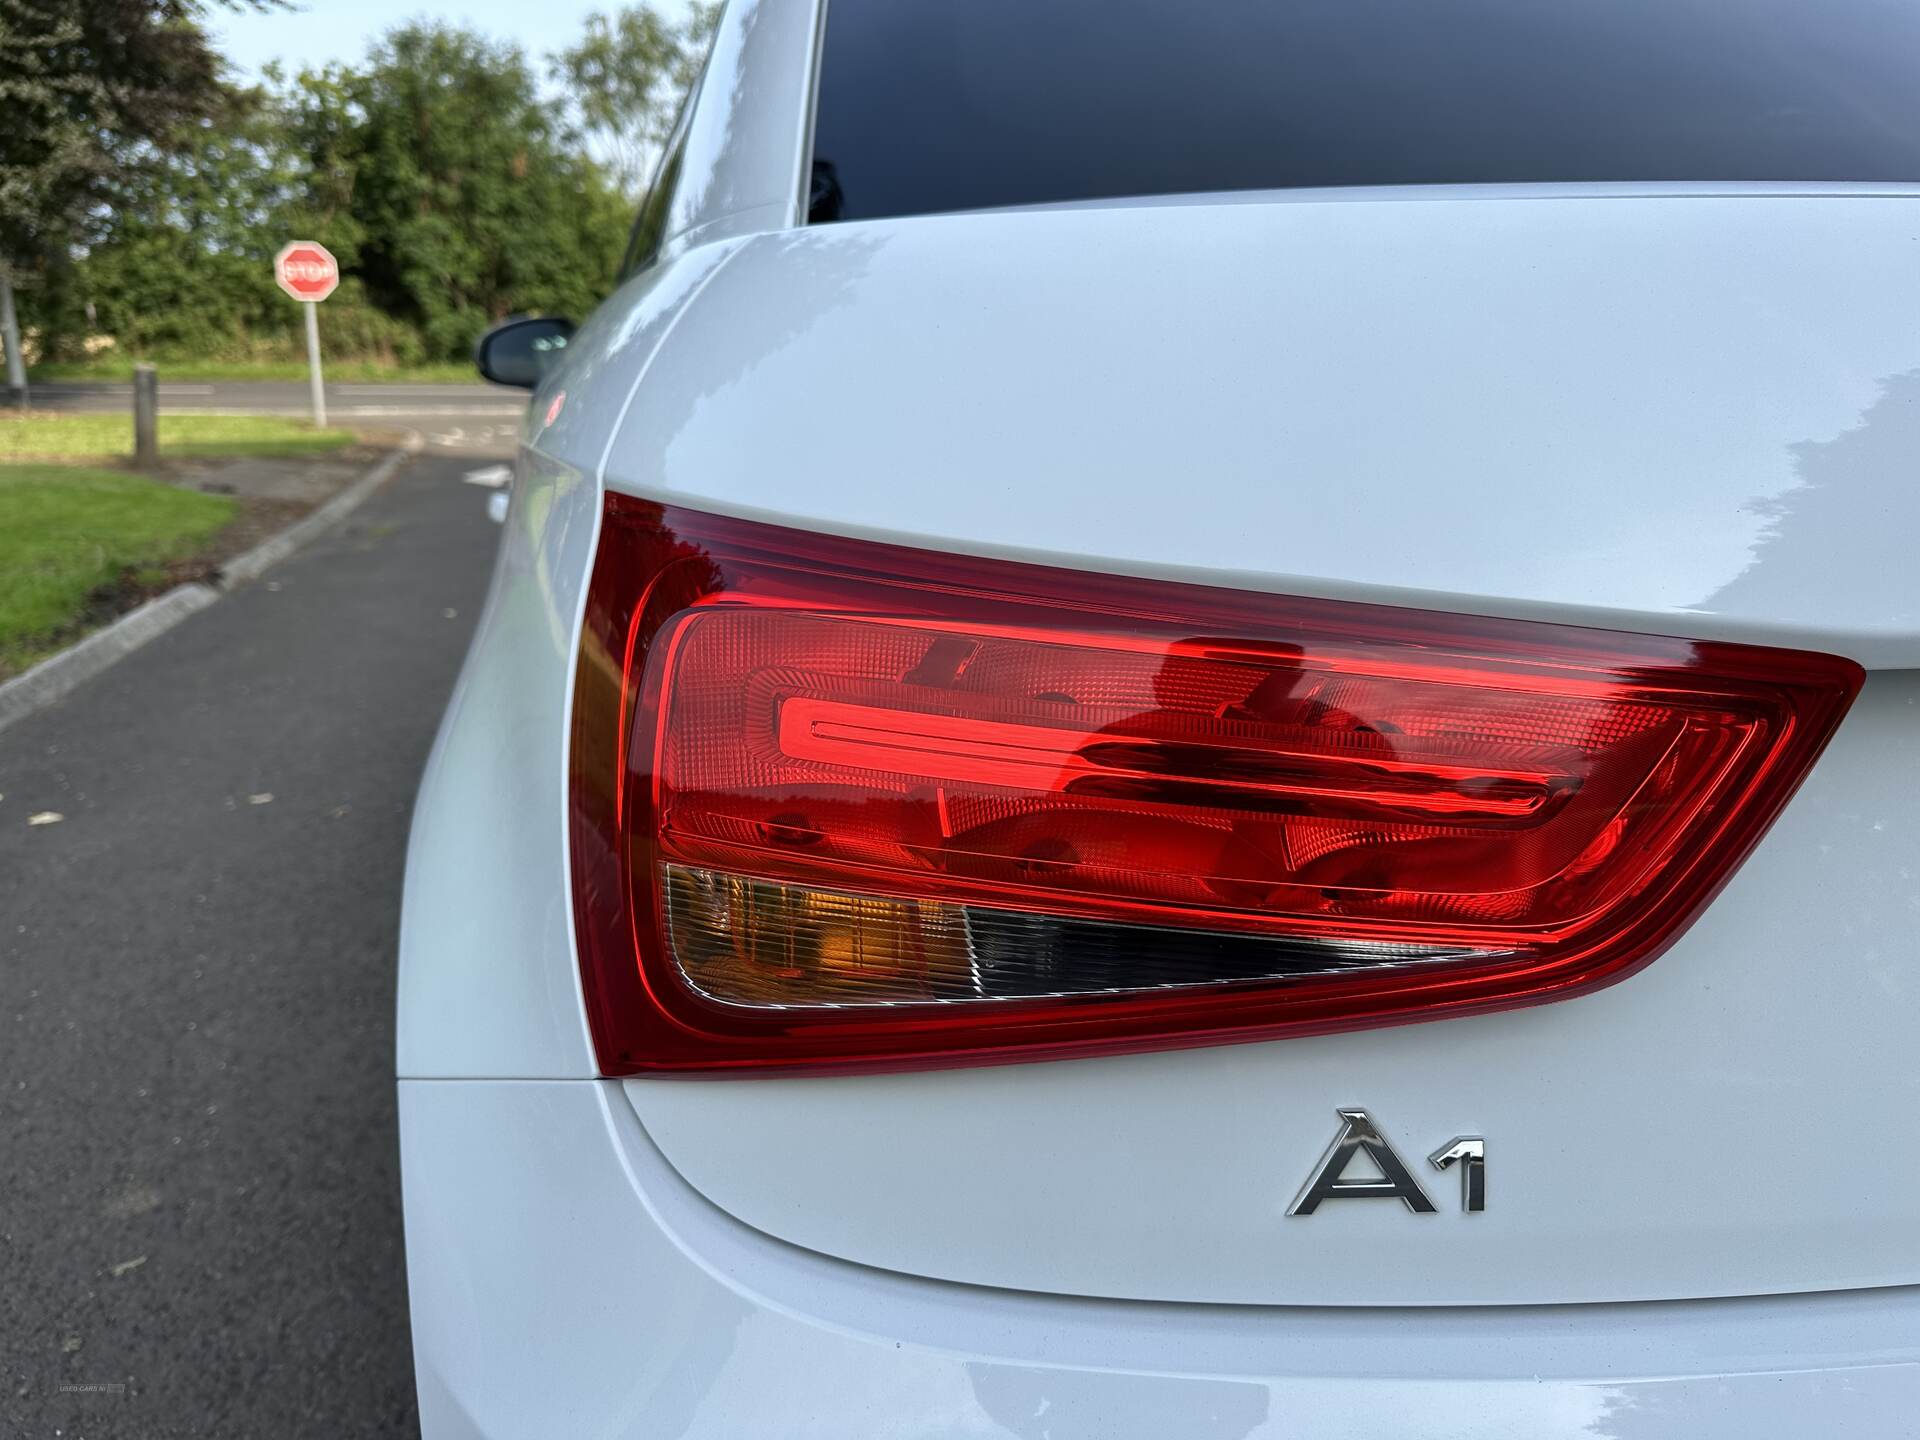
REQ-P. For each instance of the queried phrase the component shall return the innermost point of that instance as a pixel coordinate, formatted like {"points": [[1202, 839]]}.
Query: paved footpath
{"points": [[199, 1189]]}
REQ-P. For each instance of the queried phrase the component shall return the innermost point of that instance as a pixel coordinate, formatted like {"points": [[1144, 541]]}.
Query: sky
{"points": [[316, 31]]}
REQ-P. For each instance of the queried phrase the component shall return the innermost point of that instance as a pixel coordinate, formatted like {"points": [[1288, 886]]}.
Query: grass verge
{"points": [[81, 437], [358, 372], [70, 534]]}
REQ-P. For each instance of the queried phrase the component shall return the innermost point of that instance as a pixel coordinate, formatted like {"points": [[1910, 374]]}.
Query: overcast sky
{"points": [[316, 31]]}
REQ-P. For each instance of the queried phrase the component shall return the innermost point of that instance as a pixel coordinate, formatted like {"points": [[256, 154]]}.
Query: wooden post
{"points": [[146, 417]]}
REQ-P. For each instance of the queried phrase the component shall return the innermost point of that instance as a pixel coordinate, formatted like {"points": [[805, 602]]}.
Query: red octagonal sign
{"points": [[306, 270]]}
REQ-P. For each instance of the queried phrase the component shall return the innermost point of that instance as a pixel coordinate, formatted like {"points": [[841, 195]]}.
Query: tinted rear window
{"points": [[931, 105]]}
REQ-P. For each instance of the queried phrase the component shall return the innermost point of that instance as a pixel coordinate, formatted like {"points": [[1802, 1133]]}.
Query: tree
{"points": [[84, 86], [184, 266], [627, 78], [452, 190], [466, 199]]}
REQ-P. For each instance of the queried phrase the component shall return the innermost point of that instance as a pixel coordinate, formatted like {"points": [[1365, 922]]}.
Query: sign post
{"points": [[307, 271], [314, 381]]}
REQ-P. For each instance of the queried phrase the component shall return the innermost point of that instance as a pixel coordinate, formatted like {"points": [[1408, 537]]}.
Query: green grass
{"points": [[358, 372], [67, 530], [84, 437]]}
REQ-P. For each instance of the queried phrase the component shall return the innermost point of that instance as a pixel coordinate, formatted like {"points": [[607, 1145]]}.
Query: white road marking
{"points": [[114, 392], [434, 390], [468, 410], [475, 410], [362, 412], [490, 475]]}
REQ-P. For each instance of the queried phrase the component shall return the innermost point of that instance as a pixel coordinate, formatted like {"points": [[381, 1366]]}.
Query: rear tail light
{"points": [[840, 804]]}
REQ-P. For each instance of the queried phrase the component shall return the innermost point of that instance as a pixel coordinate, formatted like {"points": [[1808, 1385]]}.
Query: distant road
{"points": [[462, 417]]}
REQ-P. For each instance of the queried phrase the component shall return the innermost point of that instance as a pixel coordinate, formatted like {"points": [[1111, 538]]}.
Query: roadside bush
{"points": [[451, 190]]}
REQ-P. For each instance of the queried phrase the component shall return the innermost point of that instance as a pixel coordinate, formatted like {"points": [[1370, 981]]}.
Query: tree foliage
{"points": [[469, 200], [451, 189], [182, 263], [84, 85], [627, 76]]}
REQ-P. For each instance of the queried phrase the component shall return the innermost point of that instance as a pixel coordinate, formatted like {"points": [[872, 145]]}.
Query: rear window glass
{"points": [[931, 105]]}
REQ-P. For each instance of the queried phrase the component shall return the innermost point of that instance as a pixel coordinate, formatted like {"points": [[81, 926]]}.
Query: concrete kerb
{"points": [[60, 674], [255, 562]]}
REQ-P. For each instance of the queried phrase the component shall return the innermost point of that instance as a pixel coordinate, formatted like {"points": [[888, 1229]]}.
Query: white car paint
{"points": [[1664, 412], [566, 1282], [1451, 404], [1653, 409]]}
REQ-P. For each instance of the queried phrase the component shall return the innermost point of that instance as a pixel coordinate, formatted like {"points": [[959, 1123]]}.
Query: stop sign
{"points": [[306, 270]]}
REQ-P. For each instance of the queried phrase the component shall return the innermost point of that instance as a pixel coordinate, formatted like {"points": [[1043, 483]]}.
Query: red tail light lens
{"points": [[848, 805]]}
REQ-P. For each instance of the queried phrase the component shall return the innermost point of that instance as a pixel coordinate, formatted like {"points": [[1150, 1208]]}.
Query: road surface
{"points": [[201, 1194], [476, 417]]}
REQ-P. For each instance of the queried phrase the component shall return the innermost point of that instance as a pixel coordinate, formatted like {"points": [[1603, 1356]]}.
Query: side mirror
{"points": [[520, 352]]}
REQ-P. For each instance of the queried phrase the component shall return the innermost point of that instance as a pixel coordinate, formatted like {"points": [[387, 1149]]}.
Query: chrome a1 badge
{"points": [[1358, 1137]]}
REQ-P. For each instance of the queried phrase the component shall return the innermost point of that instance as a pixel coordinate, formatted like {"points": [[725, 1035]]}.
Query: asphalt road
{"points": [[199, 1189], [465, 417]]}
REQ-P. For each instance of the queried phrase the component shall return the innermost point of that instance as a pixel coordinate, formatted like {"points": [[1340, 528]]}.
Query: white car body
{"points": [[1671, 409]]}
